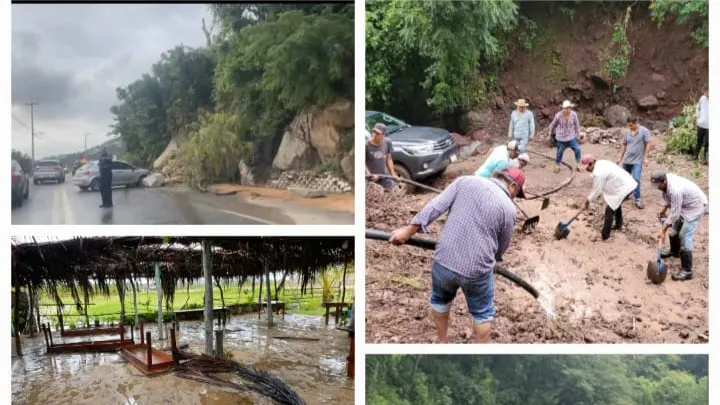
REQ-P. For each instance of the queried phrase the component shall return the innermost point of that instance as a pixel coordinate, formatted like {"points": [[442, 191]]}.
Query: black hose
{"points": [[558, 188], [404, 180], [430, 245]]}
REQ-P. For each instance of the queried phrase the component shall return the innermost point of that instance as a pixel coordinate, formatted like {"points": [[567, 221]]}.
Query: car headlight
{"points": [[418, 149]]}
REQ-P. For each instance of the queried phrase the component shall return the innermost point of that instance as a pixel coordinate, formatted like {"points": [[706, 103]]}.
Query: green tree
{"points": [[691, 12], [23, 160]]}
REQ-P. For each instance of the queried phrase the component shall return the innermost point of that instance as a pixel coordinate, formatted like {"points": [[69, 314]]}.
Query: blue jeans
{"points": [[572, 144], [479, 293], [686, 231], [636, 171]]}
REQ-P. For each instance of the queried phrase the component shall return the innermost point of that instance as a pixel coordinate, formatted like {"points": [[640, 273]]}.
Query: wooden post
{"points": [[50, 335], [342, 299], [134, 288], [327, 313], [16, 317], [85, 309], [158, 288], [269, 296], [173, 344], [142, 332], [44, 331], [208, 309], [132, 333], [337, 314], [220, 353], [260, 304], [122, 332], [149, 350]]}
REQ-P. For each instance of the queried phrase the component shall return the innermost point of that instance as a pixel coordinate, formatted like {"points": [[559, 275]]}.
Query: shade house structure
{"points": [[88, 267]]}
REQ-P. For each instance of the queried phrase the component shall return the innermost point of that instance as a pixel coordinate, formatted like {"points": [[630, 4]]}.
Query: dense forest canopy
{"points": [[264, 63], [427, 60], [537, 380]]}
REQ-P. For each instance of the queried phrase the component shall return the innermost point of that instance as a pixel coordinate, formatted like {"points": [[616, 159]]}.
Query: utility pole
{"points": [[32, 105]]}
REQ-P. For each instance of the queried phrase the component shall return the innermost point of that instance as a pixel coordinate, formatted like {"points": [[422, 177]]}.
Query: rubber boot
{"points": [[674, 248], [685, 272]]}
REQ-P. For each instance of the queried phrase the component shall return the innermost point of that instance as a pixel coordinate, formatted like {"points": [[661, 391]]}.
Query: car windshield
{"points": [[393, 124]]}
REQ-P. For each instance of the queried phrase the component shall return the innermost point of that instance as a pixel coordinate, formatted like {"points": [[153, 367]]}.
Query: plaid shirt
{"points": [[479, 226], [686, 199], [566, 131]]}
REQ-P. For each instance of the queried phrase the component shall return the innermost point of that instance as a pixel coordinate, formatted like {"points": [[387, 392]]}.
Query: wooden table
{"points": [[338, 308]]}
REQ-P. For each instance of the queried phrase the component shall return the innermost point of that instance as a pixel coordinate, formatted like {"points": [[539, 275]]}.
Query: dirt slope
{"points": [[598, 289]]}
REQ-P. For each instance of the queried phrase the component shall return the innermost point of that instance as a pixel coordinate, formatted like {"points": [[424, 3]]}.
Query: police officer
{"points": [[105, 179]]}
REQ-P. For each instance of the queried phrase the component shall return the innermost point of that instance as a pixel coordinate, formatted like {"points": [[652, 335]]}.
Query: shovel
{"points": [[545, 201], [656, 269], [530, 223], [563, 230]]}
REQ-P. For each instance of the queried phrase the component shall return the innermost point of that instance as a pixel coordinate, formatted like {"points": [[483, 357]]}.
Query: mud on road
{"points": [[598, 290]]}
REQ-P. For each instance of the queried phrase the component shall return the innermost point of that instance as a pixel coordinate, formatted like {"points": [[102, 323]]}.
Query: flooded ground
{"points": [[315, 369]]}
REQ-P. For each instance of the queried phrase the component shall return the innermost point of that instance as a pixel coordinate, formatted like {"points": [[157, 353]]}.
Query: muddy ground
{"points": [[598, 290], [316, 370]]}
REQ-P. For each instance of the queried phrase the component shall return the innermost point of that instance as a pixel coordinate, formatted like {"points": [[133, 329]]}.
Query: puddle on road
{"points": [[314, 368]]}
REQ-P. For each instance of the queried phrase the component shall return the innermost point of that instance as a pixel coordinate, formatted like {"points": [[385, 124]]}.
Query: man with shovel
{"points": [[378, 157], [476, 234], [615, 185], [687, 204]]}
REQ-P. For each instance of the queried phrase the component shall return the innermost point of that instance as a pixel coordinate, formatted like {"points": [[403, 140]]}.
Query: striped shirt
{"points": [[686, 199], [479, 226], [522, 126], [566, 131]]}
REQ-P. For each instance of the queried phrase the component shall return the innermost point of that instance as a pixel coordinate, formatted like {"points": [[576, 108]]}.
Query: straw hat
{"points": [[521, 103], [567, 104]]}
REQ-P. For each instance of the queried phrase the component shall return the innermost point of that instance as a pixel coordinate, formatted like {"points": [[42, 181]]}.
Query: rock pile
{"points": [[326, 182], [599, 135]]}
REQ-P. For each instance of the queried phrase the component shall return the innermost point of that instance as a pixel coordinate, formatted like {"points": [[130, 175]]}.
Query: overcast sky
{"points": [[70, 58]]}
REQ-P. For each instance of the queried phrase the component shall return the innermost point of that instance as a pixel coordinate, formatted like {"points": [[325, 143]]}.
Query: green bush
{"points": [[683, 137]]}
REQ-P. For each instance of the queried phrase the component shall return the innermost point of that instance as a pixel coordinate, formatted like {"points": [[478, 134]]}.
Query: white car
{"points": [[87, 177]]}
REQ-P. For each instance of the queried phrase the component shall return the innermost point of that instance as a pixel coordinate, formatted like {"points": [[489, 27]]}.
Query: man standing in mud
{"points": [[614, 184], [702, 111], [566, 127], [498, 160], [378, 157], [634, 154], [105, 165], [522, 125], [476, 234], [688, 204]]}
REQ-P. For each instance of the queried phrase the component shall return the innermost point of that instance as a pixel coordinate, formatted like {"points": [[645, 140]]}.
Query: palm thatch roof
{"points": [[89, 265]]}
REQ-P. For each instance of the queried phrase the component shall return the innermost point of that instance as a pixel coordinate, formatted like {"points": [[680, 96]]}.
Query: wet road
{"points": [[65, 204]]}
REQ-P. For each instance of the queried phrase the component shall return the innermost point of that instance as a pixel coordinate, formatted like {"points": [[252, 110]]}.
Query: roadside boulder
{"points": [[167, 155], [646, 102], [348, 166], [478, 119], [295, 153], [617, 115], [154, 180], [247, 177]]}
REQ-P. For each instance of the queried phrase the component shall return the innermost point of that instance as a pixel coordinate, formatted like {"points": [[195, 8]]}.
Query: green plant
{"points": [[694, 12], [568, 12], [526, 32], [683, 136], [593, 120], [616, 58]]}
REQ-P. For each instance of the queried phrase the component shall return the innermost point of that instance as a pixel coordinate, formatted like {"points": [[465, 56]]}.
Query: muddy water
{"points": [[315, 369]]}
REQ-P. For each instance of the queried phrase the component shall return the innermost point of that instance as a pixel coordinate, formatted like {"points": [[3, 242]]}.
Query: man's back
{"points": [[498, 160]]}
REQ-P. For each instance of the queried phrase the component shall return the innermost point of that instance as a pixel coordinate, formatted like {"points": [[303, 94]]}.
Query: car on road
{"points": [[48, 170], [20, 190], [418, 152], [87, 177]]}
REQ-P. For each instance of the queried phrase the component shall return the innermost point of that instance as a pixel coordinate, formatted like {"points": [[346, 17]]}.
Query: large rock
{"points": [[646, 102], [478, 119], [167, 155], [154, 180], [315, 136], [348, 166], [617, 115]]}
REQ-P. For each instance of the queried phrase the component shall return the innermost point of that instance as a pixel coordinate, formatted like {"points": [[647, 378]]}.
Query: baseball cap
{"points": [[658, 176], [518, 177], [379, 128], [586, 160]]}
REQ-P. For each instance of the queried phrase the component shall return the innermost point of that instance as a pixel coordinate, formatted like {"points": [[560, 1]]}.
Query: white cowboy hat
{"points": [[521, 103], [567, 104]]}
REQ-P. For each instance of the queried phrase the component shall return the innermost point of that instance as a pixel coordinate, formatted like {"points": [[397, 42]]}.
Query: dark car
{"points": [[48, 170], [418, 152], [20, 184]]}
